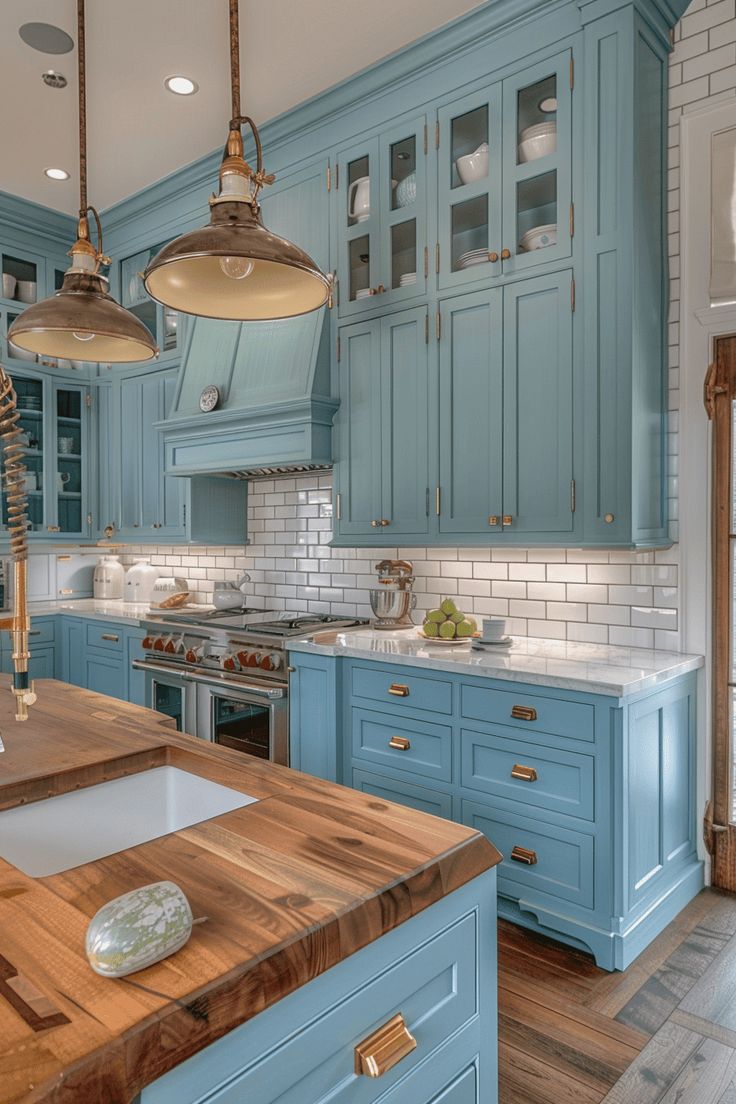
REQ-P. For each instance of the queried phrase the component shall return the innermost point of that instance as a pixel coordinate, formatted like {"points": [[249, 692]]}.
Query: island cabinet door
{"points": [[358, 423], [468, 498], [404, 438], [538, 493]]}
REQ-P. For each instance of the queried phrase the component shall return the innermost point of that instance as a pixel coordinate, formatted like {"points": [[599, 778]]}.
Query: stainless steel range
{"points": [[223, 675]]}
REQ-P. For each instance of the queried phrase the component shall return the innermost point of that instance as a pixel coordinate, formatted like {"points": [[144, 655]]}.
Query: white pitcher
{"points": [[359, 199]]}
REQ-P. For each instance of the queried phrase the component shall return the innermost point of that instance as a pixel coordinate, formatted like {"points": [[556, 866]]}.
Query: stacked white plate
{"points": [[362, 293], [407, 279], [473, 257]]}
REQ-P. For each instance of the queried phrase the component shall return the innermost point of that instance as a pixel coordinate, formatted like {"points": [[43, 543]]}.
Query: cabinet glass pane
{"points": [[404, 173], [470, 233], [359, 191], [536, 206], [20, 279], [404, 254], [68, 473], [469, 147], [360, 267], [30, 405], [169, 700], [171, 324], [537, 120]]}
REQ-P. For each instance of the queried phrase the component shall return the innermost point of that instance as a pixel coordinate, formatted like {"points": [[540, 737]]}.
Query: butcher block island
{"points": [[348, 951]]}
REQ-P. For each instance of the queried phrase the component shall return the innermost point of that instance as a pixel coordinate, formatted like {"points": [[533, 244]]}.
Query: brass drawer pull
{"points": [[398, 690], [524, 774], [524, 712], [110, 636], [493, 519], [385, 1048], [507, 520], [524, 855], [399, 743]]}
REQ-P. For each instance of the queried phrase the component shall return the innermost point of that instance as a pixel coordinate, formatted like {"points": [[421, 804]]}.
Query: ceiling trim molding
{"points": [[27, 217]]}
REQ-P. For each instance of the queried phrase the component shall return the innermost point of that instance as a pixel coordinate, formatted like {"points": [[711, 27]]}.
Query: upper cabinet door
{"points": [[358, 226], [404, 423], [470, 439], [403, 210], [538, 406], [358, 426], [537, 189], [296, 206], [71, 424], [469, 189]]}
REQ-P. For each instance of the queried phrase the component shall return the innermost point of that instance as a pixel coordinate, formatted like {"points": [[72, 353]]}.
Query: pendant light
{"points": [[82, 321], [235, 268]]}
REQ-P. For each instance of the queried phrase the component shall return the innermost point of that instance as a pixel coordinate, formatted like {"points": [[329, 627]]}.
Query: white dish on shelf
{"points": [[362, 293], [539, 237], [474, 166], [26, 291], [537, 141], [9, 284]]}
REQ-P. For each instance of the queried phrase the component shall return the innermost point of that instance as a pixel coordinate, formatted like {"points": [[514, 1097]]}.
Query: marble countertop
{"points": [[95, 609], [567, 665]]}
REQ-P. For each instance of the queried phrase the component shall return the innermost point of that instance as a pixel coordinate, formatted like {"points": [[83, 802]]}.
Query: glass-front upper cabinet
{"points": [[382, 218], [69, 441], [163, 322], [537, 189], [31, 403], [504, 184]]}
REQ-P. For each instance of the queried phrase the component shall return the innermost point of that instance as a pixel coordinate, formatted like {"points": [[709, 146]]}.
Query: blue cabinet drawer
{"points": [[561, 860], [43, 630], [107, 637], [401, 689], [549, 778], [404, 744], [404, 793], [434, 988], [532, 712]]}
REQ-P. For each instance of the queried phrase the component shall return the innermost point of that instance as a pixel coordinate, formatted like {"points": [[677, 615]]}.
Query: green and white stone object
{"points": [[137, 929]]}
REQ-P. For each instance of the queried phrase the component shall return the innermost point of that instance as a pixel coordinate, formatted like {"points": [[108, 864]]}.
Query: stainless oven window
{"points": [[242, 725], [169, 700]]}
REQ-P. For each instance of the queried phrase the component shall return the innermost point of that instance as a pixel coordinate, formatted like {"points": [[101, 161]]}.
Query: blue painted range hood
{"points": [[275, 410]]}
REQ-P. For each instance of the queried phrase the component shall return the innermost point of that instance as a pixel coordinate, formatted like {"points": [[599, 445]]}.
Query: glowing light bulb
{"points": [[83, 336], [237, 268]]}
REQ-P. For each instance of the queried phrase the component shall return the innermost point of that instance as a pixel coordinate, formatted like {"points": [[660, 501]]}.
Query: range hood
{"points": [[274, 413]]}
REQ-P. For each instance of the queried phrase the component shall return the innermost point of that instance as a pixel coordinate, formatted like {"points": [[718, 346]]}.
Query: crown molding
{"points": [[31, 218]]}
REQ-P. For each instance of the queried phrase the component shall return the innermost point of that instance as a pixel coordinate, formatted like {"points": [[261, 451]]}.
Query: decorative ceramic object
{"points": [[537, 141], [539, 237], [406, 192], [27, 291], [138, 929], [359, 199], [9, 283], [474, 166]]}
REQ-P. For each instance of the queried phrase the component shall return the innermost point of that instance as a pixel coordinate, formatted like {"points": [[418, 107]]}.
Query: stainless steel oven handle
{"points": [[212, 679], [161, 669]]}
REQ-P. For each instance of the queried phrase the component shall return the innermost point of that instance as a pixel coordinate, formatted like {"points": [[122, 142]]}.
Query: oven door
{"points": [[170, 692], [248, 716]]}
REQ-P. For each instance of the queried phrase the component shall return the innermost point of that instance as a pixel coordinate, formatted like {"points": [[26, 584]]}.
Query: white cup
{"points": [[494, 628]]}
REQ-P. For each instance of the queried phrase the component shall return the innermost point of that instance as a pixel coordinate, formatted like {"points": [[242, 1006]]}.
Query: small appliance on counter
{"points": [[140, 580], [169, 592], [392, 599], [108, 578], [228, 595]]}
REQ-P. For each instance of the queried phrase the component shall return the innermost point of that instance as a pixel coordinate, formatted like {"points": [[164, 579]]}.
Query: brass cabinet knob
{"points": [[524, 712], [398, 690], [505, 254], [507, 519], [493, 519], [375, 524], [399, 743], [385, 1048], [493, 257], [608, 519], [524, 774], [524, 855], [384, 522]]}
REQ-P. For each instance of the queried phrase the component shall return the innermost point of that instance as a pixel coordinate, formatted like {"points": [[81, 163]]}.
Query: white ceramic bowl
{"points": [[537, 141], [474, 166], [27, 291], [9, 284], [539, 237]]}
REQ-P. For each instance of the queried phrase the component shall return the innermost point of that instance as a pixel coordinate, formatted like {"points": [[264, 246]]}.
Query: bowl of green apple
{"points": [[448, 625]]}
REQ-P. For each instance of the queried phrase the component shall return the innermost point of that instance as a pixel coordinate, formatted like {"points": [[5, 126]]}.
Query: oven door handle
{"points": [[161, 669], [273, 693]]}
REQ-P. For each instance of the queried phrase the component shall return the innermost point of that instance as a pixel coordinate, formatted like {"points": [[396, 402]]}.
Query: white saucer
{"points": [[504, 642]]}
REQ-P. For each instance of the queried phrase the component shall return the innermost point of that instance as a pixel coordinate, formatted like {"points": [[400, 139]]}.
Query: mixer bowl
{"points": [[391, 606]]}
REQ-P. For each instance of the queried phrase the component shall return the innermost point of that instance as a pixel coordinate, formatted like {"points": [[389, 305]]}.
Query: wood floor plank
{"points": [[713, 997], [561, 1057], [657, 1067], [709, 1074], [704, 1027], [524, 1079]]}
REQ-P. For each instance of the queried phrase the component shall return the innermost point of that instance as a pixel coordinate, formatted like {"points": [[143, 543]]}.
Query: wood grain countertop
{"points": [[291, 884]]}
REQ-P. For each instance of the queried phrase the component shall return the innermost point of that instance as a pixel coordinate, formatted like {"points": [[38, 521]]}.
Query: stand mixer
{"points": [[392, 599]]}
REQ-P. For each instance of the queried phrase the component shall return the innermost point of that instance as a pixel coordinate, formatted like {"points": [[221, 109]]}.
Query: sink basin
{"points": [[58, 833]]}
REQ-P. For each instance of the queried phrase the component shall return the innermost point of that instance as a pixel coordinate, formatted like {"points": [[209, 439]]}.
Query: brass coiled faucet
{"points": [[15, 489]]}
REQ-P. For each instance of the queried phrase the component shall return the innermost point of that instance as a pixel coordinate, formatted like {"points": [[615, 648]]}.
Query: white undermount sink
{"points": [[46, 837]]}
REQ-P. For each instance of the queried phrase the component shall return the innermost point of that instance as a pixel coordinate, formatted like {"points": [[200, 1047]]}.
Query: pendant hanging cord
{"points": [[234, 57], [81, 61]]}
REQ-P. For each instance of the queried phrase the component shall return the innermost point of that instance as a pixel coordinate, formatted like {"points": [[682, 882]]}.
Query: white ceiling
{"points": [[138, 131]]}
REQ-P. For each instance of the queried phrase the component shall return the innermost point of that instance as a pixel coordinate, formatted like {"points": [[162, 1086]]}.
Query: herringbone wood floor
{"points": [[662, 1032]]}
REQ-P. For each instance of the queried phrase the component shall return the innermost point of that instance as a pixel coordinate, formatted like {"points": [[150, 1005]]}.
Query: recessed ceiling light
{"points": [[182, 86], [46, 38], [56, 174], [53, 79]]}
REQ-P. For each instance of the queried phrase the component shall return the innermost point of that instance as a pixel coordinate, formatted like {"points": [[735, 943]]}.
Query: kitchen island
{"points": [[329, 914]]}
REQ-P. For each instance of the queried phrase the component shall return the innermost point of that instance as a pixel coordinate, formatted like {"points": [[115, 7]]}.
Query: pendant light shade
{"points": [[235, 268], [82, 321]]}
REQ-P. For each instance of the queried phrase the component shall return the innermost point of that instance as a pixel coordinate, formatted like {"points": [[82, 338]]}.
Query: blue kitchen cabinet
{"points": [[381, 208], [381, 487], [438, 970], [105, 673], [296, 206], [42, 663], [590, 798], [71, 667], [136, 679]]}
